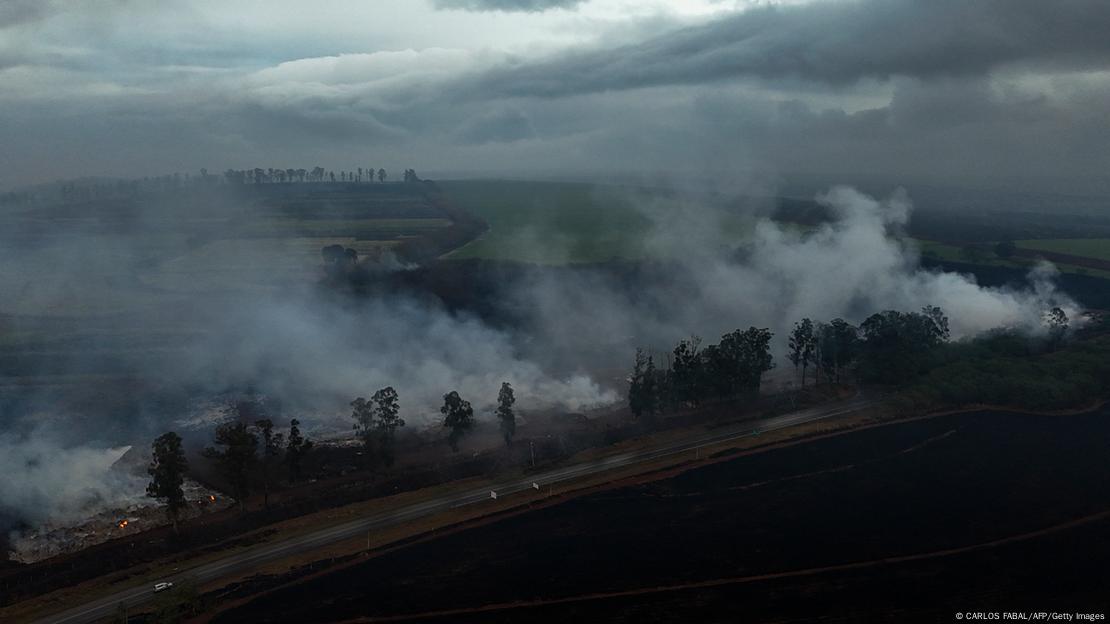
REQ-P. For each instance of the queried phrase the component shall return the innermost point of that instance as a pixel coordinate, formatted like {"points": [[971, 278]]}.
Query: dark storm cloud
{"points": [[836, 43], [506, 5]]}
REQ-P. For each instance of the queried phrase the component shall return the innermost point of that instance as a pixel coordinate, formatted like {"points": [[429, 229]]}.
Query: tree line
{"points": [[98, 189], [271, 175], [240, 449], [888, 347]]}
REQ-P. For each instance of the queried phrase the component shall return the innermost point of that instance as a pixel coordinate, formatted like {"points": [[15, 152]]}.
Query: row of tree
{"points": [[99, 189], [377, 421], [728, 369], [316, 174], [888, 347], [241, 449], [236, 452]]}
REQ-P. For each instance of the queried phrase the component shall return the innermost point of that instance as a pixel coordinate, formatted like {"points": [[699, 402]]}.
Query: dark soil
{"points": [[906, 489]]}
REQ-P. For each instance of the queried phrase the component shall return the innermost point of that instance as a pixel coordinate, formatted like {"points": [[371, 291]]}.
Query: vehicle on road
{"points": [[163, 586]]}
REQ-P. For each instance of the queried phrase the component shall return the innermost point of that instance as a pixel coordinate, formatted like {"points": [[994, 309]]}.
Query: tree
{"points": [[688, 373], [381, 175], [362, 411], [296, 447], [338, 260], [271, 448], [387, 421], [167, 474], [740, 360], [637, 401], [1005, 249], [837, 347], [803, 345], [458, 416], [651, 389], [235, 459], [505, 414], [896, 346], [939, 330], [1057, 321]]}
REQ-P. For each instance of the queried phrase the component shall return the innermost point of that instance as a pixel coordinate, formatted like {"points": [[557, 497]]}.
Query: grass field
{"points": [[560, 223], [986, 257], [1087, 247]]}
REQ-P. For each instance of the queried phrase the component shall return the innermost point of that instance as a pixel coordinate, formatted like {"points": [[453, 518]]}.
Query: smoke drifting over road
{"points": [[317, 352]]}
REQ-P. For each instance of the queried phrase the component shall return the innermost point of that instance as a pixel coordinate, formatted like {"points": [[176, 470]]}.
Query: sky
{"points": [[981, 92]]}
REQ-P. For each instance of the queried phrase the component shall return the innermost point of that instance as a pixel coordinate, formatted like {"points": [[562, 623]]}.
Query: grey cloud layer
{"points": [[835, 42], [506, 5], [1000, 87]]}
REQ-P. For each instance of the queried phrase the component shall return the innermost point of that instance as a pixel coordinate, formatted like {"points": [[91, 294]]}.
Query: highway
{"points": [[247, 560]]}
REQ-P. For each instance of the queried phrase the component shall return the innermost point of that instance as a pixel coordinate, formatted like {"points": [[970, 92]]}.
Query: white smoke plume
{"points": [[851, 267], [317, 352], [45, 478]]}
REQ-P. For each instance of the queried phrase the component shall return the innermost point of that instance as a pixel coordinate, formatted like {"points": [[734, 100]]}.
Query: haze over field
{"points": [[316, 355]]}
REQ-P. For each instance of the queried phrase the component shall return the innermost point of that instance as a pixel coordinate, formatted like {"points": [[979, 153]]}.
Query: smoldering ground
{"points": [[316, 349]]}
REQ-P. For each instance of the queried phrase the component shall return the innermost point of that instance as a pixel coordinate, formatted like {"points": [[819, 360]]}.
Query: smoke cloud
{"points": [[714, 282], [316, 350], [46, 478]]}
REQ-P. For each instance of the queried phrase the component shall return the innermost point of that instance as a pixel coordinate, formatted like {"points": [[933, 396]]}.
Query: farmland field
{"points": [[1087, 247], [98, 290], [130, 255], [799, 532], [985, 256], [560, 223]]}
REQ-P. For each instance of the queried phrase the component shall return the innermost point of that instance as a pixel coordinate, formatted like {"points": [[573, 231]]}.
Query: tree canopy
{"points": [[167, 469]]}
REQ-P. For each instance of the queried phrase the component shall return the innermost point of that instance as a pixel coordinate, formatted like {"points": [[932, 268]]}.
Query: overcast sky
{"points": [[961, 91]]}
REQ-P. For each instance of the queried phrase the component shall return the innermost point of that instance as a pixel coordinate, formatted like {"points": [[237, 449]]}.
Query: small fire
{"points": [[122, 523], [211, 498]]}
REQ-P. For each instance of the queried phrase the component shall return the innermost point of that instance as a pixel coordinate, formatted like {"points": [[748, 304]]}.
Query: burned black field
{"points": [[920, 519]]}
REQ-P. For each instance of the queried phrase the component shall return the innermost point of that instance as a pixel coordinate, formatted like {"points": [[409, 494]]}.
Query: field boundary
{"points": [[736, 580]]}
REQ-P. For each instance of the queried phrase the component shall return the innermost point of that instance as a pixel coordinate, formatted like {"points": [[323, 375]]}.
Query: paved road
{"points": [[254, 557]]}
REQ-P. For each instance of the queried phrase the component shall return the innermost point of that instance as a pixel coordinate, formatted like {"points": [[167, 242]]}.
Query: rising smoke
{"points": [[317, 353], [711, 283]]}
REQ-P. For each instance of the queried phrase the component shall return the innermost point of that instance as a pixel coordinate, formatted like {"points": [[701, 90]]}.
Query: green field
{"points": [[561, 223], [1087, 247], [986, 257]]}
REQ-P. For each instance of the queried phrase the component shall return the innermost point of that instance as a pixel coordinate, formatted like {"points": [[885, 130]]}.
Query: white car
{"points": [[162, 586]]}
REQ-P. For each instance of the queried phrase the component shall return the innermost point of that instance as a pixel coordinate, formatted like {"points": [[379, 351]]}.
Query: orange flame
{"points": [[211, 498], [122, 523]]}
